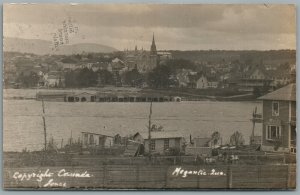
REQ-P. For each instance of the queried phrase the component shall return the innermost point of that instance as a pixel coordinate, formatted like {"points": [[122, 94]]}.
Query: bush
{"points": [[172, 151], [237, 139]]}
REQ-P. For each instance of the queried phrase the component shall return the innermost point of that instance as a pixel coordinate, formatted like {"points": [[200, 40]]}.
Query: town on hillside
{"points": [[232, 72]]}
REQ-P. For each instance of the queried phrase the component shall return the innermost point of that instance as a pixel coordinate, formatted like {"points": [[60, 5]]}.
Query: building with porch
{"points": [[279, 120], [255, 78], [161, 141]]}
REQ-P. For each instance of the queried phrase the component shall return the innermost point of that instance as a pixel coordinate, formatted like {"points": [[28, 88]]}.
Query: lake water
{"points": [[23, 124]]}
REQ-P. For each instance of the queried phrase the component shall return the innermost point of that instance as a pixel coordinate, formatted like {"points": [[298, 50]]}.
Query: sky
{"points": [[175, 26]]}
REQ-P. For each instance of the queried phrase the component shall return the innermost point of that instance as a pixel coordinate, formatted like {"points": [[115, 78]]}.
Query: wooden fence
{"points": [[154, 177]]}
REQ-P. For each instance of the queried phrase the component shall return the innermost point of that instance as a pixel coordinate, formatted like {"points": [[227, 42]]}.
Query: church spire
{"points": [[153, 46], [153, 41]]}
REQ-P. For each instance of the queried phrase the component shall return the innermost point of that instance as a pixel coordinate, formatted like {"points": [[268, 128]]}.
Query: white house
{"points": [[53, 80], [183, 77], [202, 83]]}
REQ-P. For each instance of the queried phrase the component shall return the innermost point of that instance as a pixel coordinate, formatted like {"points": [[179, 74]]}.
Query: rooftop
{"points": [[93, 133], [116, 60], [163, 134], [287, 93]]}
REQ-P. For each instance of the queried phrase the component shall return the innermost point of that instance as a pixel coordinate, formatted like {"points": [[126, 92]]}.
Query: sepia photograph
{"points": [[149, 96]]}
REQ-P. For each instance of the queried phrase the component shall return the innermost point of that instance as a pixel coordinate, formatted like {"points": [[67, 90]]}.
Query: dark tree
{"points": [[159, 77], [175, 64], [215, 137], [105, 77], [133, 78], [82, 78], [87, 78], [237, 139], [60, 84], [71, 79], [78, 57], [256, 92], [29, 79]]}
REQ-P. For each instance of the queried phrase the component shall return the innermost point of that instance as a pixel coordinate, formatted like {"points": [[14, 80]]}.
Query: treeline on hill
{"points": [[251, 57], [91, 57]]}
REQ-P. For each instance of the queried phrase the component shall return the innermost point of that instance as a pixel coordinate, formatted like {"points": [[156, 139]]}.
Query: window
{"points": [[166, 144], [86, 137], [273, 132], [91, 140], [152, 145], [275, 108]]}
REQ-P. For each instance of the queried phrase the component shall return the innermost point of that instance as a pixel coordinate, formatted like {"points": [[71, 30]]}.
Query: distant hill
{"points": [[42, 47]]}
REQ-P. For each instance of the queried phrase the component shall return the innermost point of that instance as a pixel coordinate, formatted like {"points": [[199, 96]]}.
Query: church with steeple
{"points": [[153, 58], [143, 60]]}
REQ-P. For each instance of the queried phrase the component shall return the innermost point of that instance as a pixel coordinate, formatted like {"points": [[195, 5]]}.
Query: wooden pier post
{"points": [[149, 130], [137, 175], [229, 177], [198, 177], [105, 177], [288, 178], [166, 177], [44, 123]]}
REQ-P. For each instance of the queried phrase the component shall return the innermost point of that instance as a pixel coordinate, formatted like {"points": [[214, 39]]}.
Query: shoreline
{"points": [[201, 95]]}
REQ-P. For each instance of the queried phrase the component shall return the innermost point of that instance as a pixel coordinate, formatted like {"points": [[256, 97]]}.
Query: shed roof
{"points": [[287, 93], [106, 134], [163, 134]]}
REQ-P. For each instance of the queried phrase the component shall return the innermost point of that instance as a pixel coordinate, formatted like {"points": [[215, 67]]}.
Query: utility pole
{"points": [[253, 126], [149, 130], [71, 138], [44, 123]]}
